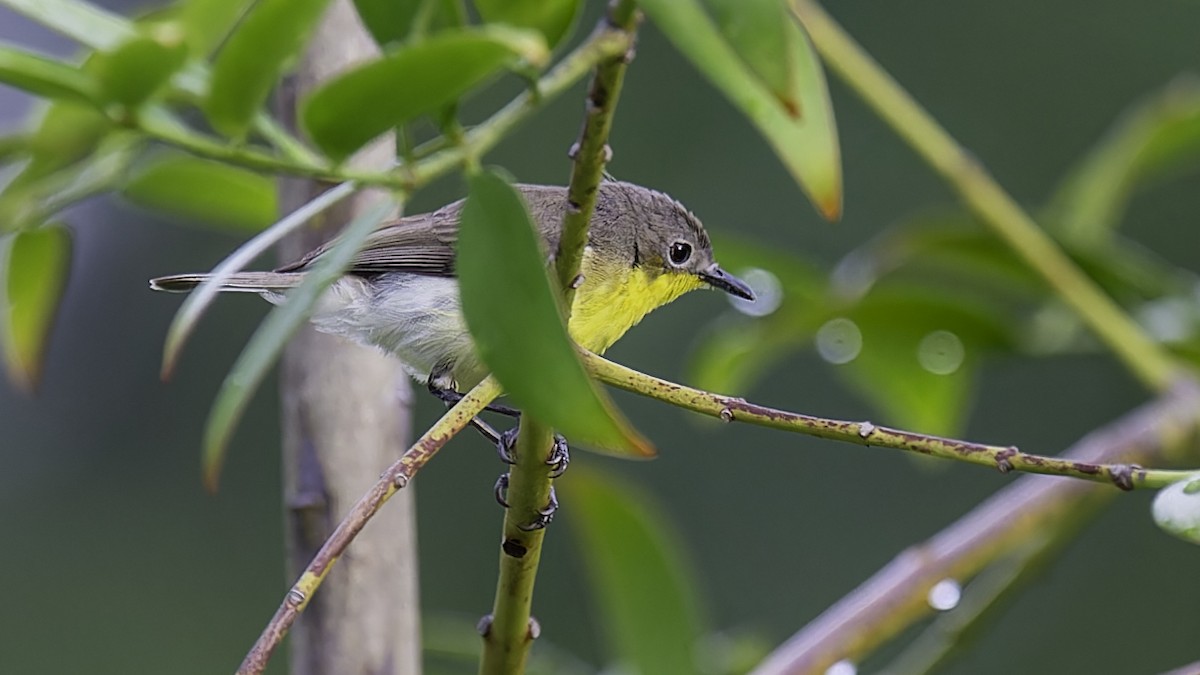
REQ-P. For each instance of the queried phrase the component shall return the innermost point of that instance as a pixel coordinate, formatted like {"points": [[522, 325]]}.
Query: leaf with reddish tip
{"points": [[808, 147], [514, 315], [34, 265]]}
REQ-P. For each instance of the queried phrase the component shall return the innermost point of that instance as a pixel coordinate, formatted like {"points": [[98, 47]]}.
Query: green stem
{"points": [[396, 477], [1002, 458], [591, 153], [297, 160], [979, 190], [511, 630]]}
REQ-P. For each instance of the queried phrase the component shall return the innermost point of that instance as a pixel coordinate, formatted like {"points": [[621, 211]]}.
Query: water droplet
{"points": [[865, 429], [767, 291], [843, 667], [945, 595], [839, 341], [941, 352], [726, 414]]}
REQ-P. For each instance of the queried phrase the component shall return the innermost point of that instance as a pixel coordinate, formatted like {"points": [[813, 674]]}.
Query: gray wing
{"points": [[421, 244], [425, 243]]}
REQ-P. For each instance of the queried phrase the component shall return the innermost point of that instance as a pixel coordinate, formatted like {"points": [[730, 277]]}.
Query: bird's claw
{"points": [[506, 447], [500, 490], [544, 515], [559, 458]]}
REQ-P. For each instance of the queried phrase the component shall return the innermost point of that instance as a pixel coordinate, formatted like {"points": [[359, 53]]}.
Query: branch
{"points": [[963, 172], [510, 630], [162, 125], [397, 476], [1002, 458], [896, 596]]}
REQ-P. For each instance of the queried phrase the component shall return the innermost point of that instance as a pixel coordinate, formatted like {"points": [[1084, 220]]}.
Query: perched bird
{"points": [[400, 292]]}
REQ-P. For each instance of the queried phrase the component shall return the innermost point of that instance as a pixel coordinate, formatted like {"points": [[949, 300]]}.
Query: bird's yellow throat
{"points": [[615, 296]]}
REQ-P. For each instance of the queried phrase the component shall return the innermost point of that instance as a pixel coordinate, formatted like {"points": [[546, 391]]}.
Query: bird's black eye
{"points": [[680, 252]]}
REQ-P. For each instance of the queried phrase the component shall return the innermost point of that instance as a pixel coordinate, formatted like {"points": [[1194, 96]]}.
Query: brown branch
{"points": [[896, 596], [396, 477]]}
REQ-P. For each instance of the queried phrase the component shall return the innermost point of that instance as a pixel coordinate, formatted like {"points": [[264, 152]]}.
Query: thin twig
{"points": [[396, 476], [510, 630], [1002, 458], [896, 596], [963, 172]]}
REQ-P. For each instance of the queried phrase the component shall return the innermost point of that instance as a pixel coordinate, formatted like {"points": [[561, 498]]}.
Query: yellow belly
{"points": [[613, 298]]}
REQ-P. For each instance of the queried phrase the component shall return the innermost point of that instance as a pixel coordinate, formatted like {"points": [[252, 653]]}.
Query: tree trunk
{"points": [[346, 412]]}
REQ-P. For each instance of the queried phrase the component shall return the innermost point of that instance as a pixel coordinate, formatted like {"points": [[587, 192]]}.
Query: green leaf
{"points": [[198, 300], [273, 33], [206, 23], [268, 341], [640, 576], [133, 72], [83, 22], [34, 265], [552, 18], [1159, 134], [45, 77], [808, 147], [208, 191], [757, 30], [516, 319], [419, 78], [394, 21]]}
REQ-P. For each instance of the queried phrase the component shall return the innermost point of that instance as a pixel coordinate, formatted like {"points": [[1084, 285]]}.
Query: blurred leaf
{"points": [[757, 31], [198, 300], [389, 21], [132, 72], [516, 319], [268, 341], [1177, 509], [552, 18], [640, 576], [83, 22], [919, 352], [272, 34], [951, 247], [34, 265], [45, 77], [67, 133], [808, 147], [419, 78], [1159, 134], [30, 199], [737, 352], [208, 191], [206, 23]]}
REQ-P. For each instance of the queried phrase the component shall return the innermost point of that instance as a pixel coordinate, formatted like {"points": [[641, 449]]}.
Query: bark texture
{"points": [[346, 412]]}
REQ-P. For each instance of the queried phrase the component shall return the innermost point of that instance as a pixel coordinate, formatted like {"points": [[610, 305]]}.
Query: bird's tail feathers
{"points": [[243, 282]]}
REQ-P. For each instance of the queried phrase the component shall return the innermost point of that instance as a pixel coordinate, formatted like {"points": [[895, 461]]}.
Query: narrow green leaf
{"points": [[198, 300], [419, 78], [34, 265], [83, 22], [271, 35], [640, 576], [757, 31], [206, 23], [515, 317], [132, 72], [1158, 134], [808, 147], [45, 77], [268, 341], [208, 191], [552, 18]]}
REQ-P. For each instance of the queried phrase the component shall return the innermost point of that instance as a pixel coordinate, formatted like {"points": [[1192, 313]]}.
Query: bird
{"points": [[400, 292]]}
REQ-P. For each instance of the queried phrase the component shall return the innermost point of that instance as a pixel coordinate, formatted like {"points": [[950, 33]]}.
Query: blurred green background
{"points": [[113, 559]]}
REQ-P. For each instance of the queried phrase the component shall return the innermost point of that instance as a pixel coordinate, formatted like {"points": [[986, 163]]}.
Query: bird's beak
{"points": [[718, 278]]}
